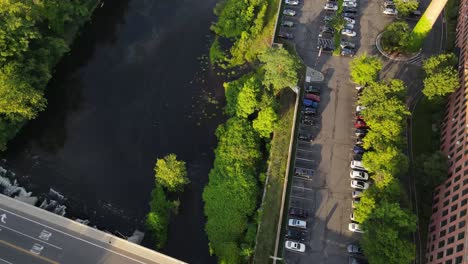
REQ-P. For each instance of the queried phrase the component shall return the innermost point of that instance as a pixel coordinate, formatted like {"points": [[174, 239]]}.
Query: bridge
{"points": [[32, 235]]}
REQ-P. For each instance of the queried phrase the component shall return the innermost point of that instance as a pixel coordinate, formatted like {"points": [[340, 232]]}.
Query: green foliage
{"points": [[236, 17], [396, 37], [216, 53], [390, 160], [280, 69], [337, 22], [433, 167], [441, 76], [265, 122], [365, 69], [31, 42], [171, 173], [157, 220], [405, 7], [248, 97]]}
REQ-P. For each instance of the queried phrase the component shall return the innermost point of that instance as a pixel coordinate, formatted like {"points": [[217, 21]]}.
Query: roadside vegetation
{"points": [[441, 77], [338, 24], [405, 7], [382, 213], [34, 35], [170, 177], [254, 107]]}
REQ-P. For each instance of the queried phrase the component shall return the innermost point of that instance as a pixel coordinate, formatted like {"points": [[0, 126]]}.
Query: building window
{"points": [[442, 233], [451, 229], [462, 213], [447, 193], [459, 260], [450, 240], [445, 203], [465, 182], [432, 229], [456, 179], [440, 255], [435, 209], [445, 212], [453, 218], [459, 247], [449, 252], [455, 188], [443, 223], [461, 235], [461, 224], [448, 261], [455, 197], [447, 184], [463, 202], [441, 244], [454, 207], [465, 191]]}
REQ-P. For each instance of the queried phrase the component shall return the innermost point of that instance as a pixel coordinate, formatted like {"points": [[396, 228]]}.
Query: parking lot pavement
{"points": [[327, 194]]}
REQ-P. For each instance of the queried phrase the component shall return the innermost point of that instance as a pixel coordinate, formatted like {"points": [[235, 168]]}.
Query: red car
{"points": [[313, 97], [360, 124]]}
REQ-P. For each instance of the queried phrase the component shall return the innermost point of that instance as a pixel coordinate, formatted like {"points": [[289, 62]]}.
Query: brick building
{"points": [[448, 228]]}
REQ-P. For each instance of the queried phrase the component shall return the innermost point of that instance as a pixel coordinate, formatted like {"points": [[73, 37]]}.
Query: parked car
{"points": [[357, 165], [347, 52], [354, 203], [390, 11], [301, 172], [298, 212], [352, 260], [330, 7], [292, 2], [349, 4], [357, 157], [359, 141], [356, 194], [327, 30], [313, 89], [305, 137], [350, 20], [289, 12], [351, 10], [416, 14], [309, 111], [354, 249], [312, 97], [297, 223], [355, 184], [285, 35], [328, 18], [390, 4], [358, 149], [347, 45], [310, 103], [295, 234], [360, 132], [359, 175], [326, 48], [309, 122], [349, 26], [353, 227], [360, 124], [349, 15], [348, 32], [294, 246], [287, 23], [359, 108]]}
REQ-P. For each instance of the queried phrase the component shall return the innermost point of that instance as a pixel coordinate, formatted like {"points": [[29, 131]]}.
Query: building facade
{"points": [[447, 241]]}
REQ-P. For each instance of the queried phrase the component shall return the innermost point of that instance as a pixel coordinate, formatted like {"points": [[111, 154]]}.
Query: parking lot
{"points": [[326, 194]]}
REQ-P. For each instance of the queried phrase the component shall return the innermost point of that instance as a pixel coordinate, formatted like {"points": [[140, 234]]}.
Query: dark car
{"points": [[328, 30], [295, 235], [286, 35], [360, 132], [298, 212], [309, 122], [305, 137], [350, 15], [347, 52], [309, 111], [358, 149], [359, 141], [351, 10], [313, 89], [347, 44], [357, 157]]}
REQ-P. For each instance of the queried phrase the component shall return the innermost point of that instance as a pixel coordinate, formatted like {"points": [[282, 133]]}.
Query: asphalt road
{"points": [[26, 238]]}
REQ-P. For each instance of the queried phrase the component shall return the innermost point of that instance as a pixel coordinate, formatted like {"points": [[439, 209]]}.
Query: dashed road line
{"points": [[33, 238]]}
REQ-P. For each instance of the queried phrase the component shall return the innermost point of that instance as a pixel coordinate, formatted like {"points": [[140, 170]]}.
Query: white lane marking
{"points": [[302, 198], [305, 159], [304, 188], [7, 262], [77, 238], [33, 238], [305, 150]]}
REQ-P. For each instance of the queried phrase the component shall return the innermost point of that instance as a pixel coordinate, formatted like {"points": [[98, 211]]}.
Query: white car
{"points": [[297, 223], [390, 11], [357, 165], [354, 249], [294, 246], [349, 4], [289, 12], [349, 26], [356, 194], [349, 20], [359, 108], [359, 175], [330, 7], [359, 185], [348, 32], [292, 2], [353, 227]]}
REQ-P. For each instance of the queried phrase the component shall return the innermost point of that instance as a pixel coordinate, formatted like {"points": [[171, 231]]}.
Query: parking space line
{"points": [[302, 198], [304, 188], [304, 150], [305, 159]]}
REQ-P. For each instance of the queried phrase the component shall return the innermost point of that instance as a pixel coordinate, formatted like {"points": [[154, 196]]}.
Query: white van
{"points": [[357, 165]]}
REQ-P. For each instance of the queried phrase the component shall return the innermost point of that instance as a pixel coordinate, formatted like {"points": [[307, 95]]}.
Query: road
{"points": [[31, 235]]}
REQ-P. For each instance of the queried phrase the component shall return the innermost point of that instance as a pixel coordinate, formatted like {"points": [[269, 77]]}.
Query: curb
{"points": [[395, 58]]}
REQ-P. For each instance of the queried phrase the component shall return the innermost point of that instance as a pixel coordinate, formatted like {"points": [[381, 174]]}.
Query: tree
{"points": [[365, 207], [437, 63], [378, 92], [337, 22], [280, 69], [248, 98], [390, 160], [395, 37], [365, 69], [265, 123], [157, 219], [405, 7], [433, 167], [171, 173], [440, 84], [425, 23]]}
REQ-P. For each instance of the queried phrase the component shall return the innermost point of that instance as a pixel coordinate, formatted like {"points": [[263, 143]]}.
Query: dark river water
{"points": [[132, 88]]}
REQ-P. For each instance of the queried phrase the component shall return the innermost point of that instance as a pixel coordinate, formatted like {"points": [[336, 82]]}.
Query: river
{"points": [[132, 88]]}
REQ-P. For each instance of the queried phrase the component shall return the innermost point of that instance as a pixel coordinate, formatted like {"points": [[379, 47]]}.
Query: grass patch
{"points": [[451, 14], [337, 36], [270, 208]]}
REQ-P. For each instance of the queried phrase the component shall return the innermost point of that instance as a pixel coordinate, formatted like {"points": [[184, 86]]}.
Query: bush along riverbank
{"points": [[232, 196], [34, 35]]}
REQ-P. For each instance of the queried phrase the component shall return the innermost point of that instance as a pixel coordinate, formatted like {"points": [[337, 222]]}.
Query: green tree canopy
{"points": [[157, 219], [235, 17], [438, 63], [265, 123], [395, 37], [378, 92], [280, 69], [434, 167], [390, 160], [405, 7], [248, 98], [171, 173], [441, 76], [365, 69]]}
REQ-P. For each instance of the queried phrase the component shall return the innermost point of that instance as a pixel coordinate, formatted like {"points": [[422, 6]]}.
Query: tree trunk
{"points": [[425, 23]]}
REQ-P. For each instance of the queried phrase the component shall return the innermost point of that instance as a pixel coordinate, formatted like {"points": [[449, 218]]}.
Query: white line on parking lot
{"points": [[304, 150], [304, 188], [305, 159], [297, 197]]}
